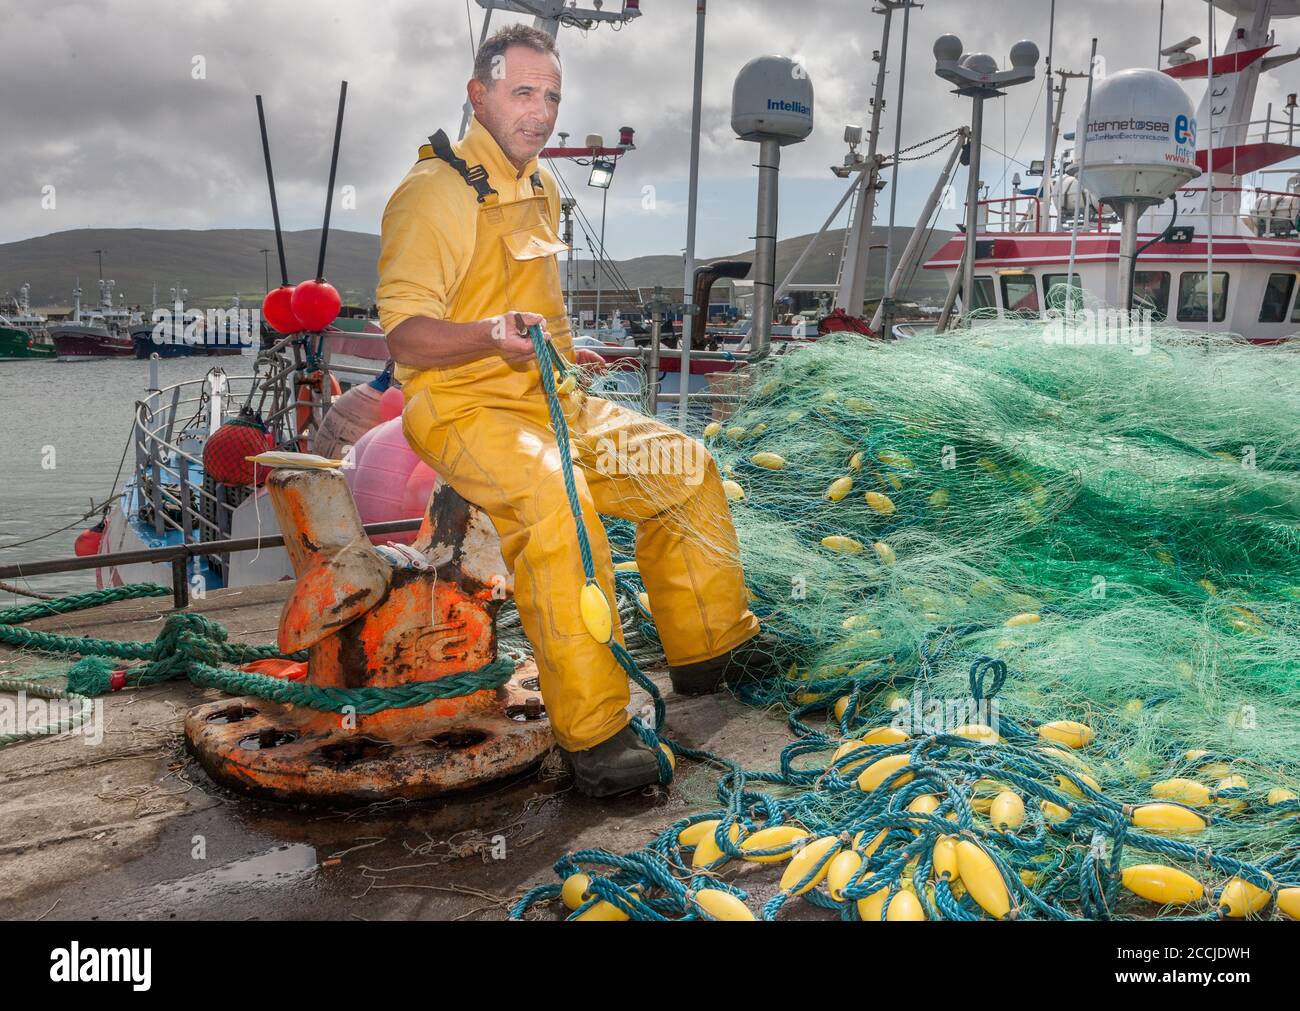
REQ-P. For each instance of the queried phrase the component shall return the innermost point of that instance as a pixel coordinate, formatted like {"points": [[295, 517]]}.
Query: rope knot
{"points": [[192, 638]]}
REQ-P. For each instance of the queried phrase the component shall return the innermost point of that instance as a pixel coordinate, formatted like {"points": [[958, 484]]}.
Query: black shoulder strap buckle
{"points": [[536, 180], [476, 176]]}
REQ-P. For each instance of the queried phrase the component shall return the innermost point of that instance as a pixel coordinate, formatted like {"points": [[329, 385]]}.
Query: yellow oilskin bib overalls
{"points": [[484, 427]]}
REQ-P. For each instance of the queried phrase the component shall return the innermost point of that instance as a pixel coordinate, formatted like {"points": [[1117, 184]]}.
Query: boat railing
{"points": [[171, 426], [1020, 213]]}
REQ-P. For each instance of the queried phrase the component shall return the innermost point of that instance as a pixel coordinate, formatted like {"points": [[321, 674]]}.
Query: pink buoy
{"points": [[391, 404], [419, 486], [384, 463]]}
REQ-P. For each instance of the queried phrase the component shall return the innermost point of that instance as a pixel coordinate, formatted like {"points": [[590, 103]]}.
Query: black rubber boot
{"points": [[752, 660], [617, 765]]}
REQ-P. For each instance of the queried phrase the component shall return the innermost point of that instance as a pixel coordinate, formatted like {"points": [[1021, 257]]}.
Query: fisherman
{"points": [[467, 265]]}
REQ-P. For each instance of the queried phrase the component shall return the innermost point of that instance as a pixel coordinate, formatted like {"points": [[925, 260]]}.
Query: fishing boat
{"points": [[1225, 225], [23, 333], [102, 332]]}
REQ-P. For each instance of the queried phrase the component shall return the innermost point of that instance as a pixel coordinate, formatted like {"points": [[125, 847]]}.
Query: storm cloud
{"points": [[140, 113]]}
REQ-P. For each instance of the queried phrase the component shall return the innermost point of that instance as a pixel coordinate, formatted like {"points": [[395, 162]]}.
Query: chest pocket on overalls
{"points": [[532, 269]]}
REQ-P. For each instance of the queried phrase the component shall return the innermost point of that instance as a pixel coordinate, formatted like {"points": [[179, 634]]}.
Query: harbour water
{"points": [[64, 428]]}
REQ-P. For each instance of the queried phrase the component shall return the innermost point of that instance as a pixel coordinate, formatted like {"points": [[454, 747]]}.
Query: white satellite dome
{"points": [[772, 100], [1141, 138]]}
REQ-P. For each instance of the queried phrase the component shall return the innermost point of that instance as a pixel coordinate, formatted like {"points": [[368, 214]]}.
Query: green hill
{"points": [[214, 264]]}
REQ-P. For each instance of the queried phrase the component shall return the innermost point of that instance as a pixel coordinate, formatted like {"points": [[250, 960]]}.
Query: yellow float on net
{"points": [[596, 615], [882, 504], [847, 748], [844, 865], [793, 416], [885, 553], [870, 908], [1165, 885], [768, 461], [1007, 811], [855, 461], [568, 385], [1054, 813], [1072, 788], [872, 846], [1167, 819], [1188, 791], [1240, 899], [879, 771], [891, 459], [1067, 732], [733, 491], [978, 732], [1288, 901], [1280, 795], [801, 866], [842, 545], [927, 803], [736, 432], [712, 429], [708, 852], [668, 753], [944, 858], [839, 488], [626, 567], [721, 905], [691, 835], [841, 706], [982, 879], [778, 836], [905, 906], [574, 892], [644, 598], [1022, 619], [940, 498]]}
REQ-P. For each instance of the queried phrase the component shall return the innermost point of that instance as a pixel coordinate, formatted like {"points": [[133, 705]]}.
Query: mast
{"points": [[853, 284], [688, 286]]}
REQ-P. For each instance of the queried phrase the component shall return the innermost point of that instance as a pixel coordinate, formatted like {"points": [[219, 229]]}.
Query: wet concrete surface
{"points": [[131, 828]]}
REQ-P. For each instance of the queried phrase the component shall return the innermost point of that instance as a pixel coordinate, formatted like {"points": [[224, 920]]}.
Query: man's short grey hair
{"points": [[490, 53]]}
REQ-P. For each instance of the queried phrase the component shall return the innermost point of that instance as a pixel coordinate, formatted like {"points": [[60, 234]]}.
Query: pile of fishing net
{"points": [[1037, 607]]}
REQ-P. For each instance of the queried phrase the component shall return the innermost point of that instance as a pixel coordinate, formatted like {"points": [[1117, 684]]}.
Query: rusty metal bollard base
{"points": [[296, 754]]}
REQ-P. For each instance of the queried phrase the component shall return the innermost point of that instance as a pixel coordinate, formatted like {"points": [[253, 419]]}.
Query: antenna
{"points": [[270, 182]]}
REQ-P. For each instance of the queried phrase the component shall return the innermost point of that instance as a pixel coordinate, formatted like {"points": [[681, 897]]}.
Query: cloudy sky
{"points": [[140, 113]]}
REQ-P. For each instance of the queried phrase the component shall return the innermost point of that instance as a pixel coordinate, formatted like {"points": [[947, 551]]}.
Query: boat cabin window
{"points": [[1151, 291], [984, 296], [1055, 299], [1020, 294], [1277, 298], [1191, 297]]}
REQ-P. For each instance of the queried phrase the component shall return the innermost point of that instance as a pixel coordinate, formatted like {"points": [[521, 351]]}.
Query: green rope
{"points": [[197, 648]]}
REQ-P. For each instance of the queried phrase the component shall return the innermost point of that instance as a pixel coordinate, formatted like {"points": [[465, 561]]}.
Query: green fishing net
{"points": [[991, 532]]}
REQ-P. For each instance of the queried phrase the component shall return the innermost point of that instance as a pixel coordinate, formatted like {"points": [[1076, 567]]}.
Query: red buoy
{"points": [[226, 451], [88, 541], [277, 310], [316, 304]]}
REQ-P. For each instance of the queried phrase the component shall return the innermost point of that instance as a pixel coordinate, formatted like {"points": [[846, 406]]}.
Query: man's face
{"points": [[520, 106]]}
